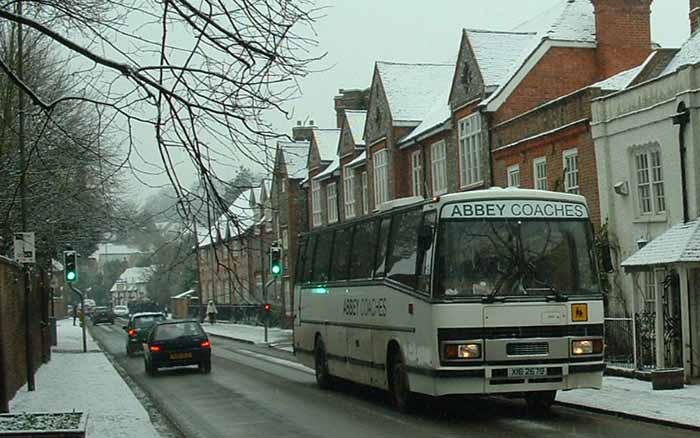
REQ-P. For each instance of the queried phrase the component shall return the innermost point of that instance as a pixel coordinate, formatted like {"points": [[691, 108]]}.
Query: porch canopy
{"points": [[677, 248]]}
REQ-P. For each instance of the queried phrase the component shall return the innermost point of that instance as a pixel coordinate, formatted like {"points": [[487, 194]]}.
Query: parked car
{"points": [[138, 328], [101, 314], [121, 310], [177, 343]]}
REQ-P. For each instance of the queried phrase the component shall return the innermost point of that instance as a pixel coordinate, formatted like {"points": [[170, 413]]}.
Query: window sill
{"points": [[474, 185], [659, 218]]}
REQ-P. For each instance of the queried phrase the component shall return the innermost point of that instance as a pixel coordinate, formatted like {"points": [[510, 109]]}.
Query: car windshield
{"points": [[172, 331], [515, 257], [147, 321]]}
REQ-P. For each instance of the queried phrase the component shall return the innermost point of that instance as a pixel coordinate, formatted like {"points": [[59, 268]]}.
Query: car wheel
{"points": [[399, 388], [540, 402], [205, 367], [324, 379]]}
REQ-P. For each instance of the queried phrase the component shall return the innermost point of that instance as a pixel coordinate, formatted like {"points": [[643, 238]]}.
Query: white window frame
{"points": [[572, 182], [332, 197], [381, 177], [513, 175], [417, 173], [316, 217], [438, 167], [349, 192], [469, 134], [365, 193], [539, 181], [649, 179]]}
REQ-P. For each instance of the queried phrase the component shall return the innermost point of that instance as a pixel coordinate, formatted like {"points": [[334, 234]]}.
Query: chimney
{"points": [[302, 132], [623, 33], [694, 15], [349, 100]]}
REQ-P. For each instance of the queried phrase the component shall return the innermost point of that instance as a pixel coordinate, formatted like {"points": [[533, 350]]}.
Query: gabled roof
{"points": [[435, 119], [296, 155], [236, 221], [327, 141], [134, 276], [358, 161], [678, 244], [328, 171], [411, 89], [497, 52], [570, 23], [689, 54], [356, 124], [104, 249]]}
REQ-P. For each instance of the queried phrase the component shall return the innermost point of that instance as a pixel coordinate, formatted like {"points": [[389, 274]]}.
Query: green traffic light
{"points": [[70, 276], [276, 269]]}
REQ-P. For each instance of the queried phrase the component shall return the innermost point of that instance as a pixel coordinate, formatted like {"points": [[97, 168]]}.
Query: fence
{"points": [[619, 342], [13, 357]]}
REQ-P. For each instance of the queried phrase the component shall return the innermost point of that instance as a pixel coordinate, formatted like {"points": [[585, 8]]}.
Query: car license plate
{"points": [[176, 356], [527, 372]]}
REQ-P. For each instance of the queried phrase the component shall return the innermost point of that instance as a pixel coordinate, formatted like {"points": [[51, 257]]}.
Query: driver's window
{"points": [[424, 262]]}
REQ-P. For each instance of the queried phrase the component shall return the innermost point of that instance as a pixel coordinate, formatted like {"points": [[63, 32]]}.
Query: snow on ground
{"points": [[276, 337], [85, 382], [70, 338], [636, 397]]}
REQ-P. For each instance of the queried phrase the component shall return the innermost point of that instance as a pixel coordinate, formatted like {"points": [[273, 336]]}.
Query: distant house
{"points": [[115, 252], [131, 285]]}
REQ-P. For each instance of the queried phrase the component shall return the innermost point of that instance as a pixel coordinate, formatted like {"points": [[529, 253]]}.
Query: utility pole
{"points": [[262, 277], [23, 206]]}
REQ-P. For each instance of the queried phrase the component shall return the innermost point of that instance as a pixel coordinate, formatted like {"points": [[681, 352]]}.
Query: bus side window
{"points": [[424, 263], [363, 249], [309, 258], [301, 254], [341, 253], [322, 259], [380, 259], [403, 247]]}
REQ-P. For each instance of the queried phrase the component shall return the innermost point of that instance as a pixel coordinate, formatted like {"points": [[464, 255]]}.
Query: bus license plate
{"points": [[527, 372], [176, 356]]}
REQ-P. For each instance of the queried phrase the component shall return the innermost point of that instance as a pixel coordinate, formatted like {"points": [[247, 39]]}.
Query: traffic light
{"points": [[268, 308], [276, 260], [70, 266]]}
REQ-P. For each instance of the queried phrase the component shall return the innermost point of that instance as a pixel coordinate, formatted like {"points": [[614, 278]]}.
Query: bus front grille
{"points": [[527, 348]]}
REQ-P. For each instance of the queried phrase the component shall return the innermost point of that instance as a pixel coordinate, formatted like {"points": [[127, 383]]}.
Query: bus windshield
{"points": [[515, 257]]}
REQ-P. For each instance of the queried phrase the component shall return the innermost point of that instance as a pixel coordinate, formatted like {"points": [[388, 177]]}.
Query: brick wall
{"points": [[12, 329], [694, 15]]}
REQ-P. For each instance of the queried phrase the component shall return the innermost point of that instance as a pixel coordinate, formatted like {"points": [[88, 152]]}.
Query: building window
{"points": [[540, 173], [417, 173], [470, 150], [571, 184], [650, 182], [349, 186], [332, 203], [365, 194], [381, 178], [285, 238], [438, 167], [514, 176], [316, 203]]}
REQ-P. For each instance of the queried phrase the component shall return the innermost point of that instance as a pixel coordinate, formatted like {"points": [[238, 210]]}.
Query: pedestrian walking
{"points": [[211, 311]]}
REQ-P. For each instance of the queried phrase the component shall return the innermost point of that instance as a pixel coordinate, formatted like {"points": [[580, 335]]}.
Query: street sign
{"points": [[24, 248]]}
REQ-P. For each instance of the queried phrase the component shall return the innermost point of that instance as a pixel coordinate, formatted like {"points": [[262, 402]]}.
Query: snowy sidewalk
{"points": [[635, 398], [85, 382], [278, 338]]}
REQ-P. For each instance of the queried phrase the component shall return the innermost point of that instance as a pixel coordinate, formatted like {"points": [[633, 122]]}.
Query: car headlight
{"points": [[462, 351], [586, 346]]}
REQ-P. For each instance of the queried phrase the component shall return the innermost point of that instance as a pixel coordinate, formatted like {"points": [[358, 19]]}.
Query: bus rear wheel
{"points": [[323, 376], [399, 389], [540, 402]]}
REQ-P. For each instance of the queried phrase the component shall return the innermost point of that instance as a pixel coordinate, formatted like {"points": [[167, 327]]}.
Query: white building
{"points": [[647, 185], [131, 285], [114, 252]]}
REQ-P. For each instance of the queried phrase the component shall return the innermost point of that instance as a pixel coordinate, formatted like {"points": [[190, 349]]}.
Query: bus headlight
{"points": [[586, 346], [462, 351]]}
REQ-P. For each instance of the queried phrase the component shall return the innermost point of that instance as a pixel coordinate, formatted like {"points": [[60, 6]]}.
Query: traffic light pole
{"points": [[79, 293]]}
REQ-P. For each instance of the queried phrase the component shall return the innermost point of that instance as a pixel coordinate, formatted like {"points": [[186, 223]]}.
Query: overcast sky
{"points": [[356, 33]]}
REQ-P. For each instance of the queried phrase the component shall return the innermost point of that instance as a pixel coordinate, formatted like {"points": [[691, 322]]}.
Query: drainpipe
{"points": [[489, 120], [682, 118]]}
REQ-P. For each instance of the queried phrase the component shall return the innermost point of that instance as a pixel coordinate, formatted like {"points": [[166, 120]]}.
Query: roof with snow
{"points": [[296, 155], [328, 171], [358, 161], [689, 54], [356, 122], [327, 141], [678, 244], [411, 89], [134, 276], [621, 80], [497, 52], [436, 117], [567, 20], [104, 249], [236, 221], [185, 294]]}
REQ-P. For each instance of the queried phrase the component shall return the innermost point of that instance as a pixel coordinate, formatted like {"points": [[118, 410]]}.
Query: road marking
{"points": [[277, 361]]}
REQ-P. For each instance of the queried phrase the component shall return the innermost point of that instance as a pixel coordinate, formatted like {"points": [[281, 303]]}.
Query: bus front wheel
{"points": [[323, 376], [399, 388], [540, 402]]}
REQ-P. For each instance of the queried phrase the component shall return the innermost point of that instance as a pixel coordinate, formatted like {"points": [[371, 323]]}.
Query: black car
{"points": [[101, 314], [177, 343], [139, 328]]}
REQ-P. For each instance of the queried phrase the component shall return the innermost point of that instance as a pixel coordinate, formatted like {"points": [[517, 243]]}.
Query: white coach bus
{"points": [[485, 292]]}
